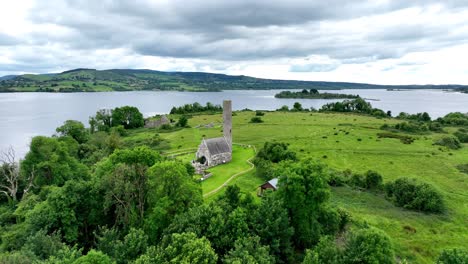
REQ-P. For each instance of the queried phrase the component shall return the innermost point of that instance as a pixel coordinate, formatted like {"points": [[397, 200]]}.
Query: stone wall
{"points": [[220, 159]]}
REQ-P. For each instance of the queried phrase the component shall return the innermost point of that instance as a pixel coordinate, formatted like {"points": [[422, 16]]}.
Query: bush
{"points": [[373, 180], [404, 139], [461, 135], [450, 142], [182, 121], [259, 113], [256, 119], [325, 251], [453, 256], [463, 168], [369, 245], [413, 195], [275, 152], [119, 130]]}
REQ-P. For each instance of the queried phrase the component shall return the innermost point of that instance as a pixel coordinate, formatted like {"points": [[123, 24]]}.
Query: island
{"points": [[313, 94], [461, 90]]}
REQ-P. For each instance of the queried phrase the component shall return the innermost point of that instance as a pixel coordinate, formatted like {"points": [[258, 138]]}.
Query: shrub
{"points": [[404, 139], [182, 121], [259, 113], [276, 152], [414, 195], [119, 130], [450, 142], [453, 256], [461, 135], [325, 251], [284, 108], [463, 168], [369, 245], [256, 119], [373, 180]]}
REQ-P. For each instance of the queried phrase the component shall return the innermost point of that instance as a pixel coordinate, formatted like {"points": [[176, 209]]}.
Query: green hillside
{"points": [[90, 80]]}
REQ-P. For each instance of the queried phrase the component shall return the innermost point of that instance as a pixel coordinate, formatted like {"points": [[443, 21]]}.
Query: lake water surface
{"points": [[24, 115]]}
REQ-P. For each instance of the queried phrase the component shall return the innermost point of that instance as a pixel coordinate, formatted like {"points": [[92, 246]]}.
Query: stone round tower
{"points": [[227, 118]]}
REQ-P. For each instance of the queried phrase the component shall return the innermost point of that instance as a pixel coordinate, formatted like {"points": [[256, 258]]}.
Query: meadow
{"points": [[343, 141]]}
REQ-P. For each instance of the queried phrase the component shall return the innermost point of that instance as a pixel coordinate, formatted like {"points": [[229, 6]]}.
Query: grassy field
{"points": [[347, 141]]}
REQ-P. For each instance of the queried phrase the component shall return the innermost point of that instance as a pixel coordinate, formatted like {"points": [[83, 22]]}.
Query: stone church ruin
{"points": [[215, 151]]}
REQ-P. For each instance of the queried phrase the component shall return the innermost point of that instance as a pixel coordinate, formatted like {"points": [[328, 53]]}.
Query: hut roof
{"points": [[274, 183], [217, 145], [271, 184]]}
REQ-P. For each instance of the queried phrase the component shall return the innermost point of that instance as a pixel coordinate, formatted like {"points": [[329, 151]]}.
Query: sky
{"points": [[380, 41]]}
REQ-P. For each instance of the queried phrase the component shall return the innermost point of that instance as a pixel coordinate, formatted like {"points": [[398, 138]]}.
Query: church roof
{"points": [[217, 145]]}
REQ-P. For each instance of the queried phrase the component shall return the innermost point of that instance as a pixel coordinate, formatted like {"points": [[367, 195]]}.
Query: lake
{"points": [[24, 115]]}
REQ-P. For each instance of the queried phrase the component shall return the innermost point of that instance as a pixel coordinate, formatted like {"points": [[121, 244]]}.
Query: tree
{"points": [[94, 257], [42, 245], [173, 191], [249, 250], [369, 245], [69, 211], [50, 162], [9, 174], [297, 106], [180, 248], [271, 223], [182, 121], [303, 190], [102, 121], [124, 183], [74, 129], [127, 116], [206, 220], [325, 252], [127, 250], [275, 152]]}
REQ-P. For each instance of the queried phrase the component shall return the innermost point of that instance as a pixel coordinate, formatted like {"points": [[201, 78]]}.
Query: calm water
{"points": [[24, 115]]}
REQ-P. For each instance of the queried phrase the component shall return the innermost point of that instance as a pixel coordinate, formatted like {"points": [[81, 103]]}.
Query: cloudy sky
{"points": [[381, 41]]}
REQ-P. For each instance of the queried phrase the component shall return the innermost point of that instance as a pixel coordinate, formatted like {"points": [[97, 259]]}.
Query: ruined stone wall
{"points": [[220, 159], [203, 151]]}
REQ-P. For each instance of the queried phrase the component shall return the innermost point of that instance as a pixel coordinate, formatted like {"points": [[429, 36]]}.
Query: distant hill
{"points": [[7, 77], [90, 80]]}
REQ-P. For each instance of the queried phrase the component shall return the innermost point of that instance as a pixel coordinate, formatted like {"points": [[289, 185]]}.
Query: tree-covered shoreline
{"points": [[313, 94]]}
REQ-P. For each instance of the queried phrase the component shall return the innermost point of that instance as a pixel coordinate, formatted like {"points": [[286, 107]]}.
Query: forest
{"points": [[113, 193]]}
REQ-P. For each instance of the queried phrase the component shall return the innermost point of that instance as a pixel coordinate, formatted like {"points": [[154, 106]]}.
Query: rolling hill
{"points": [[91, 80]]}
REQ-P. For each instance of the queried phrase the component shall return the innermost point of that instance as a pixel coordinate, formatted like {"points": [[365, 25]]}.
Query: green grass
{"points": [[223, 172], [348, 141]]}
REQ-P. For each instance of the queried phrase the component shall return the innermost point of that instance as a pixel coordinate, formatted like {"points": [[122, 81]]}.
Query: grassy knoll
{"points": [[348, 141]]}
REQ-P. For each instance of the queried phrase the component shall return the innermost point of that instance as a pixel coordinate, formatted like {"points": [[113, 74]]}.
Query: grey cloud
{"points": [[233, 31], [6, 40]]}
